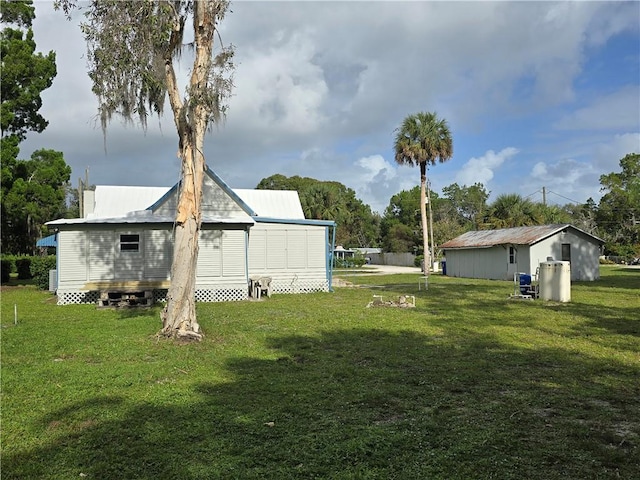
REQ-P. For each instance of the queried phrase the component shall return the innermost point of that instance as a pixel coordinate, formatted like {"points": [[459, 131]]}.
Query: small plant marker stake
{"points": [[15, 313]]}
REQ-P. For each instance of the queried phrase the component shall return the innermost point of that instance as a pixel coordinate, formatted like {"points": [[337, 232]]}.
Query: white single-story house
{"points": [[499, 254], [125, 241], [342, 253]]}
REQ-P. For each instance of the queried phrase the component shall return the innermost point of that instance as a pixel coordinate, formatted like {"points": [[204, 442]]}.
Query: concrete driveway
{"points": [[378, 270]]}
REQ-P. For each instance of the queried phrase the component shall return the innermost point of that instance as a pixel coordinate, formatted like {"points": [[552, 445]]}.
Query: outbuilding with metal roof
{"points": [[499, 254]]}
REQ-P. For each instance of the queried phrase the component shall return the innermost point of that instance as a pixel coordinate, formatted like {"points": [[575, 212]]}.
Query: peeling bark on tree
{"points": [[179, 315], [131, 48]]}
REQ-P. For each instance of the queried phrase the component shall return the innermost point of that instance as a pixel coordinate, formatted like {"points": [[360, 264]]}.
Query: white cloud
{"points": [[375, 180], [607, 155], [481, 169], [618, 110], [539, 170], [282, 89], [377, 165], [566, 180], [320, 86], [575, 180]]}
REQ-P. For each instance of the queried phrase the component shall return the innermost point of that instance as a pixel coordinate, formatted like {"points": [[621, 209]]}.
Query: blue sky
{"points": [[537, 94]]}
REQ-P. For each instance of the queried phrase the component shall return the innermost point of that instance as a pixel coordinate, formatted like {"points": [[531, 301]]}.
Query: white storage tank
{"points": [[53, 281], [554, 281]]}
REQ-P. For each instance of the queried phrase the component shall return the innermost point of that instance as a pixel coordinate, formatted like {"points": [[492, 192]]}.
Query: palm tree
{"points": [[422, 139], [511, 210]]}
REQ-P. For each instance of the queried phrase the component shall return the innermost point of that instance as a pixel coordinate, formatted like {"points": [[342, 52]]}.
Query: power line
{"points": [[532, 194], [566, 198]]}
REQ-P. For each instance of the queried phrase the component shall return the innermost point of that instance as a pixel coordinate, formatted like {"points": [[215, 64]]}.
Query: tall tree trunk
{"points": [[179, 315], [423, 216], [433, 243]]}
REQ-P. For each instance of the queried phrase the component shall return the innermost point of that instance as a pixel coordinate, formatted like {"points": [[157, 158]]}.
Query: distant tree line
{"points": [[615, 219]]}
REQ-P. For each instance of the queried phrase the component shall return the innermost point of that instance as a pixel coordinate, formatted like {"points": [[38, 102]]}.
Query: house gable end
{"points": [[218, 200]]}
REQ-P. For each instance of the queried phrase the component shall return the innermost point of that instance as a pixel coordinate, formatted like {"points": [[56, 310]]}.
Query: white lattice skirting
{"points": [[76, 297], [300, 286], [220, 294], [229, 294], [232, 294]]}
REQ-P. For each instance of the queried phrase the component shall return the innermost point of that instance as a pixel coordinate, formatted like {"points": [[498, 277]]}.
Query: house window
{"points": [[129, 243], [566, 252], [512, 255]]}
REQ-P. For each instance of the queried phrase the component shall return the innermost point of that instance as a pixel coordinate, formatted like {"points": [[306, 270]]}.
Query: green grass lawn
{"points": [[469, 384]]}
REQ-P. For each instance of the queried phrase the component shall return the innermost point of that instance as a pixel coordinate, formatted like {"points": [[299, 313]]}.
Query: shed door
{"points": [[512, 259]]}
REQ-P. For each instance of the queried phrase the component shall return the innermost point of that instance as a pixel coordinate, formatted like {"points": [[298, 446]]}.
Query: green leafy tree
{"points": [[618, 214], [24, 75], [469, 203], [552, 214], [357, 226], [404, 209], [133, 47], [446, 228], [37, 195], [400, 238], [583, 215], [422, 140], [323, 201], [281, 182], [400, 225], [512, 210]]}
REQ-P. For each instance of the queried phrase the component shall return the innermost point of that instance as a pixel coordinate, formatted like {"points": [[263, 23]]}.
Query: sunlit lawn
{"points": [[469, 384]]}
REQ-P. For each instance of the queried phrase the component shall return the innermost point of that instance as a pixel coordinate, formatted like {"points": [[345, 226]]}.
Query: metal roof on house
{"points": [[272, 203], [133, 204], [516, 236], [115, 201]]}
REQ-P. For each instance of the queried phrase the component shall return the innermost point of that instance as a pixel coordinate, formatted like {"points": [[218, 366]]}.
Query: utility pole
{"points": [[82, 186], [544, 195]]}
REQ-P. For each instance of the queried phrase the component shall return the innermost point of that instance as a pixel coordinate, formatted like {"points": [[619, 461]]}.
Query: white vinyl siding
{"points": [[294, 256], [128, 264], [218, 202], [102, 245], [317, 248], [72, 262], [222, 262], [296, 249], [258, 249], [276, 250], [286, 247], [585, 254], [481, 263], [158, 251], [234, 258], [210, 254], [215, 201], [170, 206]]}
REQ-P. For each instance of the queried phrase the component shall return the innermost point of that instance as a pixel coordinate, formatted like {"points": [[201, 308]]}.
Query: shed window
{"points": [[566, 252], [129, 243], [512, 255]]}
